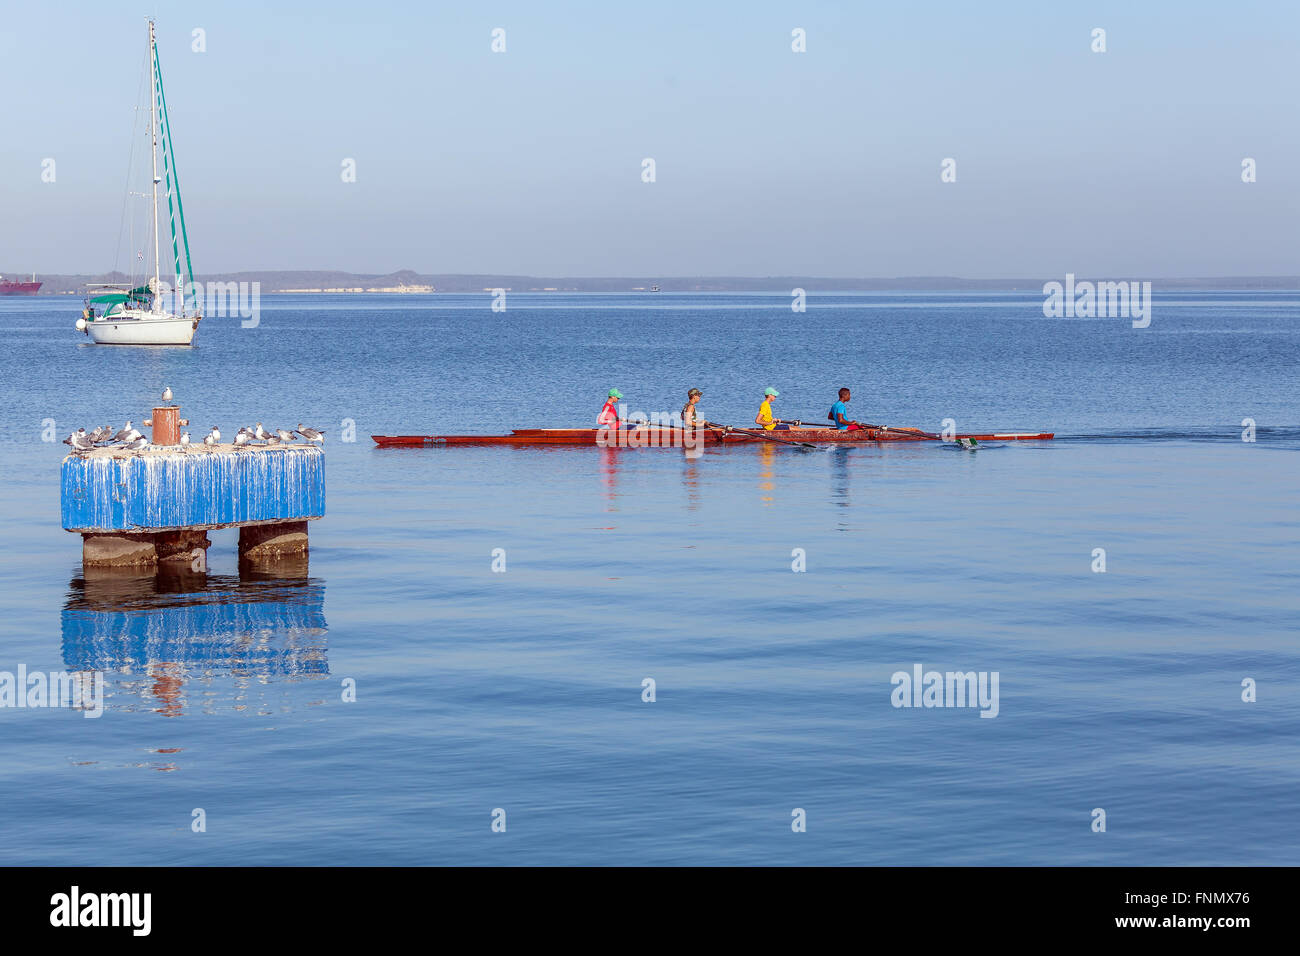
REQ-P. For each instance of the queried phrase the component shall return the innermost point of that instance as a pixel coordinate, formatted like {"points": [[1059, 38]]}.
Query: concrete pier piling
{"points": [[157, 505]]}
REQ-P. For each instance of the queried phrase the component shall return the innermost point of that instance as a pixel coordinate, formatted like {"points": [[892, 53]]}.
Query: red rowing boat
{"points": [[658, 436]]}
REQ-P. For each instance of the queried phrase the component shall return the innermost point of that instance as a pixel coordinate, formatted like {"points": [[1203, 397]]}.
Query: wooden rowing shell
{"points": [[655, 436]]}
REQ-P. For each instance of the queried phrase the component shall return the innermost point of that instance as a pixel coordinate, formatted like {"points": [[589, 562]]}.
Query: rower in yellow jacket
{"points": [[764, 416]]}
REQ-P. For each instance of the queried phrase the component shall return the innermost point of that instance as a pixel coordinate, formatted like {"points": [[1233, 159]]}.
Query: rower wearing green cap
{"points": [[608, 417], [764, 416]]}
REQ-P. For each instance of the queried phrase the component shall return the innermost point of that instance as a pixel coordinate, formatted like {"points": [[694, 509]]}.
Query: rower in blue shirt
{"points": [[839, 413]]}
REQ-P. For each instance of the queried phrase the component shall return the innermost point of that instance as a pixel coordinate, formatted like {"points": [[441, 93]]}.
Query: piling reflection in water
{"points": [[174, 641]]}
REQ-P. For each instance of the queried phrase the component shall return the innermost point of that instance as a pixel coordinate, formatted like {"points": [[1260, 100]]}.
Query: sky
{"points": [[1122, 164]]}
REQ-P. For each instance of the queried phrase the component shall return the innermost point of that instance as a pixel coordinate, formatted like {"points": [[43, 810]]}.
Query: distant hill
{"points": [[407, 279]]}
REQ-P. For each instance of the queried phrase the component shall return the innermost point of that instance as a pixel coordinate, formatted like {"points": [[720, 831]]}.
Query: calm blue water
{"points": [[522, 690]]}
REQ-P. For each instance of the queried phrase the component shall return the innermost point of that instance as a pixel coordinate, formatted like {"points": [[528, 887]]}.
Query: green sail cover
{"points": [[140, 294], [173, 188]]}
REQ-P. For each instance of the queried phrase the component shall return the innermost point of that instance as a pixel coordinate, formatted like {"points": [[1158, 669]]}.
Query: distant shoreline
{"points": [[406, 282]]}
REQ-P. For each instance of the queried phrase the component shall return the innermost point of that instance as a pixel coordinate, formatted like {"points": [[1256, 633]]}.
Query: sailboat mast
{"points": [[153, 133]]}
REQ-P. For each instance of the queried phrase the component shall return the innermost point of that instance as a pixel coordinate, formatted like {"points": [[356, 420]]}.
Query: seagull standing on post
{"points": [[311, 434], [167, 394]]}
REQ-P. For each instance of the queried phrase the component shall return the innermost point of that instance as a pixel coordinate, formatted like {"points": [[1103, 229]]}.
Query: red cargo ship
{"points": [[9, 287]]}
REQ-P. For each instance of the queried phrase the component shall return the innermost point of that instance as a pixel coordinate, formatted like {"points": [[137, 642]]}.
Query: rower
{"points": [[691, 414], [764, 416], [839, 412], [608, 417]]}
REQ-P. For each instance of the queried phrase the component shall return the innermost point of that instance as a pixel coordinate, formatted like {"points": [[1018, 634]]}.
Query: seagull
{"points": [[167, 394], [311, 434], [126, 429], [97, 435], [209, 440], [261, 434], [241, 438], [216, 434], [185, 442], [140, 444], [273, 439], [78, 441]]}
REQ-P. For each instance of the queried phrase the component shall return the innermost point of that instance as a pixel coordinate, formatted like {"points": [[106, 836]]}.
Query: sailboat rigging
{"points": [[155, 313]]}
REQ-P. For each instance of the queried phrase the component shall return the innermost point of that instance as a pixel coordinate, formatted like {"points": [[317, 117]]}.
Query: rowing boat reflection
{"points": [[172, 641]]}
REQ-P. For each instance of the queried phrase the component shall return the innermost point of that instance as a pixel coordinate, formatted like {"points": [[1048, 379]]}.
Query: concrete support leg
{"points": [[145, 550], [118, 550], [188, 548], [262, 541]]}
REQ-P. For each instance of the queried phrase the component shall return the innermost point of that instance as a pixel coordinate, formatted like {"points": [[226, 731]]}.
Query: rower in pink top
{"points": [[608, 417]]}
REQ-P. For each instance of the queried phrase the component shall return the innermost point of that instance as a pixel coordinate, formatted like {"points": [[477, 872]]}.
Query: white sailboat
{"points": [[154, 313]]}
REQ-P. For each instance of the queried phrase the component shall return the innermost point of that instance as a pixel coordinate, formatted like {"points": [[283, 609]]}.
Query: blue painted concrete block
{"points": [[115, 491]]}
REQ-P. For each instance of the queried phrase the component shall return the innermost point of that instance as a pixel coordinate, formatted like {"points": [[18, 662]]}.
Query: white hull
{"points": [[142, 328]]}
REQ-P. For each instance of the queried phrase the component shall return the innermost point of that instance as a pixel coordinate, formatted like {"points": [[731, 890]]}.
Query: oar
{"points": [[896, 431], [766, 437], [904, 431]]}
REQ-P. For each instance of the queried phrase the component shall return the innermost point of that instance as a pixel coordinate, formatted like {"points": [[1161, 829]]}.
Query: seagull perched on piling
{"points": [[242, 437], [131, 435], [185, 442], [260, 433], [285, 436], [167, 394], [212, 438], [78, 442], [126, 430], [140, 444], [97, 435], [311, 434]]}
